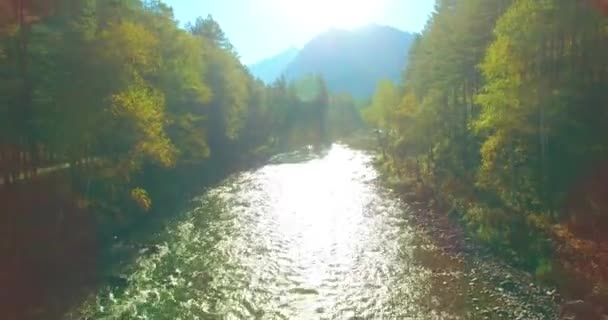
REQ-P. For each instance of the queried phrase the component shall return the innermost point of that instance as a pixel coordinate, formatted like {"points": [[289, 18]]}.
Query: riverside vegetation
{"points": [[501, 118], [117, 89], [110, 114]]}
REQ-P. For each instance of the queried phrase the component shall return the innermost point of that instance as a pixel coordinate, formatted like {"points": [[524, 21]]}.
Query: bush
{"points": [[140, 196]]}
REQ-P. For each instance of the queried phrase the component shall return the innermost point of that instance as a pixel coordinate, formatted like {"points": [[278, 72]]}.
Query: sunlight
{"points": [[324, 14]]}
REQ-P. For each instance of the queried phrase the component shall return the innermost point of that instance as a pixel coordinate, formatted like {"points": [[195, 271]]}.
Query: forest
{"points": [[501, 117], [141, 110], [499, 123]]}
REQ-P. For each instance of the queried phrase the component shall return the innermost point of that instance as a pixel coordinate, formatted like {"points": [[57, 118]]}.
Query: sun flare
{"points": [[324, 14]]}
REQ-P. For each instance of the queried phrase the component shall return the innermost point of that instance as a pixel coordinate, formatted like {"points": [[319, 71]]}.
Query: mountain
{"points": [[354, 61], [270, 69]]}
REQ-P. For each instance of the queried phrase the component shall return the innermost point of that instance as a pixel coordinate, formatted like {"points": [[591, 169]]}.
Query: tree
{"points": [[384, 102], [209, 29]]}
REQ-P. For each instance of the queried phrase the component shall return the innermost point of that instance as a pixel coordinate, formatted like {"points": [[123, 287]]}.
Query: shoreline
{"points": [[433, 215]]}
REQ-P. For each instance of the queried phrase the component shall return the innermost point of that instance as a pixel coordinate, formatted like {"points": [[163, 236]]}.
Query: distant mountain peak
{"points": [[351, 61], [270, 69], [374, 25], [354, 61]]}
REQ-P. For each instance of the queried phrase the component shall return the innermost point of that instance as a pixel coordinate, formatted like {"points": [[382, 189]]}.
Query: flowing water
{"points": [[310, 237]]}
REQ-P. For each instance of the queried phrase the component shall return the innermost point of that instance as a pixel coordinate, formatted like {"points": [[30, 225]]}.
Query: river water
{"points": [[310, 236]]}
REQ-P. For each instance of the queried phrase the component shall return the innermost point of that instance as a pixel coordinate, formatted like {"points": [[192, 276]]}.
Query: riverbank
{"points": [[576, 278], [58, 246]]}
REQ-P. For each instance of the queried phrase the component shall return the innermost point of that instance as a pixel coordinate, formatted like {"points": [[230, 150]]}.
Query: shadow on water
{"points": [[48, 257], [310, 236]]}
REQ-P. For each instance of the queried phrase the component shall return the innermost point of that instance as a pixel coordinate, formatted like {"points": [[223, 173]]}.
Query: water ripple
{"points": [[319, 239]]}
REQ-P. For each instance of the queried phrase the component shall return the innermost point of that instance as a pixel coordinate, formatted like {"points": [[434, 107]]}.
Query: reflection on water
{"points": [[318, 239]]}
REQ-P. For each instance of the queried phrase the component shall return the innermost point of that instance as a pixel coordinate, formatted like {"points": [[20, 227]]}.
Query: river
{"points": [[310, 236]]}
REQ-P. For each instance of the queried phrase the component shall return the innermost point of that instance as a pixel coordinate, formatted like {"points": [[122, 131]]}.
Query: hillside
{"points": [[354, 61], [351, 61], [268, 70]]}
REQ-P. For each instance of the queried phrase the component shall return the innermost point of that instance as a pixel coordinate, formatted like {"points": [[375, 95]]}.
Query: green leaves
{"points": [[502, 109], [384, 103], [139, 118], [131, 48], [140, 196], [158, 108]]}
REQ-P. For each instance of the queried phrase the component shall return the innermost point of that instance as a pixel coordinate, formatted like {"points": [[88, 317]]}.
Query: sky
{"points": [[260, 29]]}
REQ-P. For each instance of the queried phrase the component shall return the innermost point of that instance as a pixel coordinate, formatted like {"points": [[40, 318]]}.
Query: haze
{"points": [[284, 24]]}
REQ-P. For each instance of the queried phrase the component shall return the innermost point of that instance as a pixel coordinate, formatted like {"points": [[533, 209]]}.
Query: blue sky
{"points": [[262, 28]]}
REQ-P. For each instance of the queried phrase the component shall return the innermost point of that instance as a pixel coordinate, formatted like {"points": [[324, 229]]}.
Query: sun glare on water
{"points": [[324, 14]]}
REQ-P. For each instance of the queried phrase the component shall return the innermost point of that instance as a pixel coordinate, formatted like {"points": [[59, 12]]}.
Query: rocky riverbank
{"points": [[442, 223]]}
